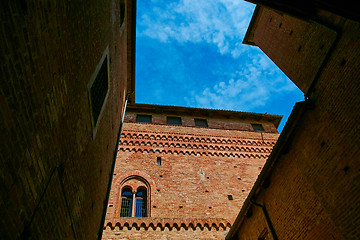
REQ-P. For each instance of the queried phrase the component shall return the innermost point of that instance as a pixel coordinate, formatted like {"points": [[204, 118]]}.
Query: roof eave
{"points": [[250, 28]]}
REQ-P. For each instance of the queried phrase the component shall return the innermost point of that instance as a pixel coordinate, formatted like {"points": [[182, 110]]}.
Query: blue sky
{"points": [[190, 53]]}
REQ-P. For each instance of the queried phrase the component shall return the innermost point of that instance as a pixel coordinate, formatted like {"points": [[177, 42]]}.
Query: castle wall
{"points": [[166, 233], [200, 168], [55, 162]]}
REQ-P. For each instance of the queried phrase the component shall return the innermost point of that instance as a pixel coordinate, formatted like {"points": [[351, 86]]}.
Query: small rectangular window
{"points": [[257, 127], [99, 90], [173, 120], [144, 118], [230, 197], [158, 161], [122, 12], [200, 122]]}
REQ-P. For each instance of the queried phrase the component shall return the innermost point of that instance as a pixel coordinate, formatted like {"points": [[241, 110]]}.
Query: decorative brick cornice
{"points": [[170, 223], [197, 146], [194, 153], [171, 136], [187, 144]]}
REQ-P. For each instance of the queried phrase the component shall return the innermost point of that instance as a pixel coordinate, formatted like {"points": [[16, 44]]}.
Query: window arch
{"points": [[135, 197]]}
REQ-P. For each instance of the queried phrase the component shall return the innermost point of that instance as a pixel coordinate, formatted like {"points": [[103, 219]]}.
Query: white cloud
{"points": [[249, 88], [222, 23]]}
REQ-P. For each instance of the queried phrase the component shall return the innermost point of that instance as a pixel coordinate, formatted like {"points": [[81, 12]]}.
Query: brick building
{"points": [[309, 187], [184, 173], [60, 121], [65, 71]]}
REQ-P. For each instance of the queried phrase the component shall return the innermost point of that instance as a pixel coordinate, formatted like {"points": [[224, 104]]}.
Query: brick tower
{"points": [[184, 173]]}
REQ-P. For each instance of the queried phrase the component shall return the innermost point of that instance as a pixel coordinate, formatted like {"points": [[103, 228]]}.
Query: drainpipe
{"points": [[99, 235], [267, 218]]}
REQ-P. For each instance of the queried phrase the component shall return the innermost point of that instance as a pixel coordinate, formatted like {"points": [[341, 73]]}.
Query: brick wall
{"points": [[54, 170], [314, 188], [199, 168], [165, 233], [298, 47]]}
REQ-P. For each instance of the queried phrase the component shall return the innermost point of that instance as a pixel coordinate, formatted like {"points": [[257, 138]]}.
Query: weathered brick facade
{"points": [[309, 188], [204, 176], [55, 156]]}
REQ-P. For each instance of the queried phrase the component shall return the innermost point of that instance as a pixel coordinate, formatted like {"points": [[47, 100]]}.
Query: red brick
{"points": [[313, 191], [200, 167]]}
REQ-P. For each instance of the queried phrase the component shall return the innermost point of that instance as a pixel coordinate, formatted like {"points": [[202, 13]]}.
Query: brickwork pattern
{"points": [[314, 189], [165, 233], [189, 191], [301, 54], [50, 49]]}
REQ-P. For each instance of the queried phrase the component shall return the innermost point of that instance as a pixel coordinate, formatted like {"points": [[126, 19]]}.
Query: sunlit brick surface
{"points": [[200, 167]]}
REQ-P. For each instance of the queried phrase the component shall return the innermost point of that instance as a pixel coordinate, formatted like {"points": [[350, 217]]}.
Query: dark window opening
{"points": [[133, 204], [158, 161], [230, 197], [122, 12], [126, 203], [140, 209], [257, 127], [173, 120], [98, 90], [200, 122], [144, 118]]}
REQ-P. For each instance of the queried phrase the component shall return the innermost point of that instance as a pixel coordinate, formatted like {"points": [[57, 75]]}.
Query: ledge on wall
{"points": [[170, 223]]}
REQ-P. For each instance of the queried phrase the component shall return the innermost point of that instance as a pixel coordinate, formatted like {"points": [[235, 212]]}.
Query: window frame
{"points": [[257, 127], [143, 116], [199, 122], [172, 120], [143, 202], [124, 197], [135, 184], [96, 122]]}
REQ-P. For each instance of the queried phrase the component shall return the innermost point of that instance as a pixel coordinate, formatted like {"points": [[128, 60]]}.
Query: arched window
{"points": [[126, 202], [140, 209], [135, 197]]}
